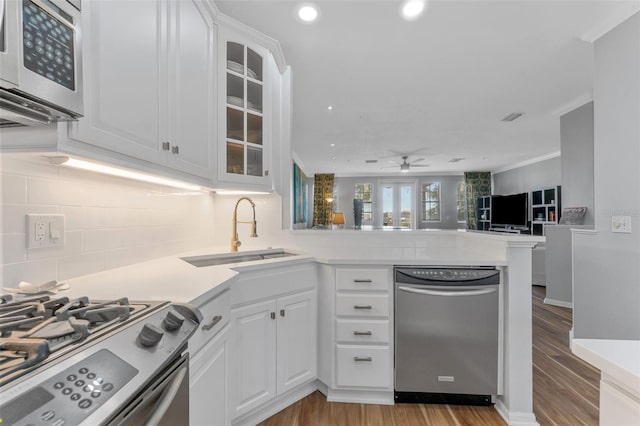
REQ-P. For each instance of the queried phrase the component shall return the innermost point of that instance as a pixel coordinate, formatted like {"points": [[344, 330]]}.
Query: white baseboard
{"points": [[360, 396], [264, 412], [515, 418], [560, 303]]}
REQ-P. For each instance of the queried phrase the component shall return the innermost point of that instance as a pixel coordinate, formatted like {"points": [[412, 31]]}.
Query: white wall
{"points": [[576, 141], [109, 221], [540, 175], [606, 292], [448, 202]]}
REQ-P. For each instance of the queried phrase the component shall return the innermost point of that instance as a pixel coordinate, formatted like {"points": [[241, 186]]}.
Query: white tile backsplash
{"points": [[109, 221]]}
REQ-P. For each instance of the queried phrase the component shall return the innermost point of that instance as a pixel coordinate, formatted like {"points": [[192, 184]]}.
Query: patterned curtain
{"points": [[478, 185], [322, 189]]}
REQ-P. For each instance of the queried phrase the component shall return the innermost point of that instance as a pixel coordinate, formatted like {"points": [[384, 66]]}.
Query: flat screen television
{"points": [[510, 210]]}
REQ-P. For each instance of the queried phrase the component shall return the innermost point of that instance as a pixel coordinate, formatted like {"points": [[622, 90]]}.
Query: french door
{"points": [[398, 205]]}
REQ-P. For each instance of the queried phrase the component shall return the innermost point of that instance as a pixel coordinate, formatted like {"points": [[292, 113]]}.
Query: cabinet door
{"points": [[209, 381], [123, 52], [254, 356], [192, 88], [245, 121], [297, 340]]}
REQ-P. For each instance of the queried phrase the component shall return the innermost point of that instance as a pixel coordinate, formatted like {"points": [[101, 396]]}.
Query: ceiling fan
{"points": [[405, 166]]}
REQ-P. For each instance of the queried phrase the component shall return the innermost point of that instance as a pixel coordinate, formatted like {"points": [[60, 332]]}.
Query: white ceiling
{"points": [[437, 86]]}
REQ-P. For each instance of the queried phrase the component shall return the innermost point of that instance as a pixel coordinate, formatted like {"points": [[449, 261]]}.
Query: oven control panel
{"points": [[71, 395]]}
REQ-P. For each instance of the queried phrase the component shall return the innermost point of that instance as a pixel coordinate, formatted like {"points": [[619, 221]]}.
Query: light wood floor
{"points": [[565, 390]]}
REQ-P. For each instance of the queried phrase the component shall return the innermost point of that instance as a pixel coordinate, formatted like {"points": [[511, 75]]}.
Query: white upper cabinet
{"points": [[246, 117], [149, 71]]}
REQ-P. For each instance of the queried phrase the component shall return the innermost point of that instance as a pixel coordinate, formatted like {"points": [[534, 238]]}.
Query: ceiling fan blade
{"points": [[419, 165], [394, 162], [417, 160]]}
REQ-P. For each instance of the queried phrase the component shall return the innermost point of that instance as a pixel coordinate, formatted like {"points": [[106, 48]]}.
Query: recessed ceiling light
{"points": [[333, 158], [333, 144], [412, 9], [308, 12], [330, 107]]}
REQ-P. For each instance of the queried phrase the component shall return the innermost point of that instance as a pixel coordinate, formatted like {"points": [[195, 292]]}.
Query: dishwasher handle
{"points": [[447, 293]]}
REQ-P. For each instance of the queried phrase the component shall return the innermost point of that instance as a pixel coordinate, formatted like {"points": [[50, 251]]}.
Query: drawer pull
{"points": [[281, 312], [213, 323], [367, 281], [362, 359], [273, 315], [362, 333], [362, 307]]}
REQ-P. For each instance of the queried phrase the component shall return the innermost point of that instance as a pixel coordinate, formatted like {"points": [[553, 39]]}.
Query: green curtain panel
{"points": [[478, 184], [322, 189]]}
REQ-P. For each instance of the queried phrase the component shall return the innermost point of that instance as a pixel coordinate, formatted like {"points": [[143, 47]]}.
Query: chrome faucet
{"points": [[235, 243]]}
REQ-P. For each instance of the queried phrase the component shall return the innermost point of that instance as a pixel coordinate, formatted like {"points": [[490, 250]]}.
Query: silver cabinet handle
{"points": [[215, 320], [362, 333], [168, 396], [166, 146], [362, 359], [447, 293], [281, 312], [368, 281], [362, 306], [175, 149]]}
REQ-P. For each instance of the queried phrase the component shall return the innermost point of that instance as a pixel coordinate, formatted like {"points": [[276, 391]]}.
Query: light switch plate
{"points": [[45, 230], [621, 224]]}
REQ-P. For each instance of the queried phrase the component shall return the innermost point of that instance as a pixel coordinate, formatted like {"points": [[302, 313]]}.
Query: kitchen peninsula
{"points": [[329, 255]]}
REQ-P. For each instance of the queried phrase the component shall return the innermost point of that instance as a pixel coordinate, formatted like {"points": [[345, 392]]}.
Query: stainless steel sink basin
{"points": [[226, 258]]}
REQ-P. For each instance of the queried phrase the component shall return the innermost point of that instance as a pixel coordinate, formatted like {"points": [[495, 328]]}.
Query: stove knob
{"points": [[150, 335], [172, 321]]}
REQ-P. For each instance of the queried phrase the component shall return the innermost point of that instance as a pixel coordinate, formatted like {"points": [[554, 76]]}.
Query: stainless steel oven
{"points": [[81, 362], [40, 61]]}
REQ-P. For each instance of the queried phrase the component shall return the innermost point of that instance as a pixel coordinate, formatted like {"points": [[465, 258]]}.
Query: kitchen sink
{"points": [[226, 258]]}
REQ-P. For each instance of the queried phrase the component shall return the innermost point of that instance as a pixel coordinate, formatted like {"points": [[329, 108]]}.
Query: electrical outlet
{"points": [[45, 230], [621, 224]]}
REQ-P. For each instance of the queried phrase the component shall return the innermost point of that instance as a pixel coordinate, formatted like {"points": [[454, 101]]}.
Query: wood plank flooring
{"points": [[565, 390]]}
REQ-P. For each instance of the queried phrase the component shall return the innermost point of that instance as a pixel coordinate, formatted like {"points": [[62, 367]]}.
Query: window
{"points": [[461, 192], [431, 202], [364, 191]]}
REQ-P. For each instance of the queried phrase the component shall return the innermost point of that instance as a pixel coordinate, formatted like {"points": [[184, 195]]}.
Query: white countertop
{"points": [[619, 359], [169, 278]]}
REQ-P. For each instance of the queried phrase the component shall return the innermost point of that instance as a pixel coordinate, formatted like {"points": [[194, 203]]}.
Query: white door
{"points": [[124, 80], [297, 337], [192, 89], [208, 384], [398, 205], [254, 356]]}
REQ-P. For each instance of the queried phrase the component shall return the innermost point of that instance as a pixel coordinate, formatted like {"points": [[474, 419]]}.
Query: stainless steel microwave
{"points": [[40, 62]]}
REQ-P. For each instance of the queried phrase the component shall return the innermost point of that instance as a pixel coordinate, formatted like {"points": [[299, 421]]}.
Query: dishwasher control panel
{"points": [[442, 276]]}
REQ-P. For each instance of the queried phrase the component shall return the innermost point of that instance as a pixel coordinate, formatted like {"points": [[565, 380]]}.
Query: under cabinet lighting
{"points": [[233, 192], [412, 9], [116, 171]]}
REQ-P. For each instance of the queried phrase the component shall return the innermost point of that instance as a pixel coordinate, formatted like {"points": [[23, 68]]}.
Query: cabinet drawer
{"points": [[362, 305], [357, 331], [363, 366], [362, 279], [219, 306]]}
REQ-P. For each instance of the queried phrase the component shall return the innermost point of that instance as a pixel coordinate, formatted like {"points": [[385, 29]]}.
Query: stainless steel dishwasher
{"points": [[446, 334]]}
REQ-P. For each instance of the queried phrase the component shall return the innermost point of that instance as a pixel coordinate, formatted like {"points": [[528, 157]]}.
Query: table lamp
{"points": [[338, 219]]}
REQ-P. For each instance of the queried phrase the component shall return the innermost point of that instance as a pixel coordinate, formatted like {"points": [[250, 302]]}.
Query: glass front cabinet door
{"points": [[244, 150]]}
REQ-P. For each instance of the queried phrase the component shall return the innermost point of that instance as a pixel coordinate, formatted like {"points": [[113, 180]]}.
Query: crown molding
{"points": [[528, 162], [625, 11], [573, 104]]}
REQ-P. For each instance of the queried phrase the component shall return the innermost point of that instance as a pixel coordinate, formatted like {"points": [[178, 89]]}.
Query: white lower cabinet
{"points": [[274, 346], [208, 383], [274, 349], [356, 354]]}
